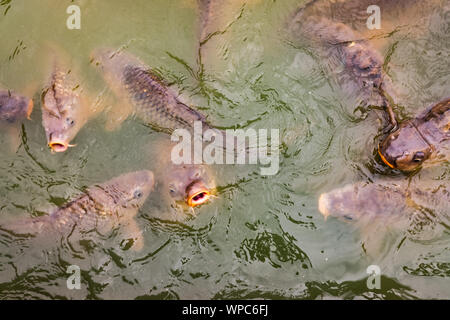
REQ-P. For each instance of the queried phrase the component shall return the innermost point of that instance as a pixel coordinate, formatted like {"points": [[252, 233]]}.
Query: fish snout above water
{"points": [[191, 184], [405, 149], [419, 142], [65, 105], [62, 114]]}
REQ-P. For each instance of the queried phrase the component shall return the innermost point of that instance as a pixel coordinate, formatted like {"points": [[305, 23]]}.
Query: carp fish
{"points": [[103, 207], [386, 212], [65, 108], [143, 92], [188, 184], [352, 59], [422, 141], [383, 199], [14, 108]]}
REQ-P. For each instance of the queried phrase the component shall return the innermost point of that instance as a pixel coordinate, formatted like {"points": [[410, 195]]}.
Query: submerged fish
{"points": [[14, 107], [65, 109], [356, 63], [383, 199], [215, 16], [421, 141], [355, 13], [386, 213], [149, 97], [103, 207]]}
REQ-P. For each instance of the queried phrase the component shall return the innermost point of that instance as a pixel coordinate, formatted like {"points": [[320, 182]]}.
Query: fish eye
{"points": [[418, 157], [138, 194], [70, 121]]}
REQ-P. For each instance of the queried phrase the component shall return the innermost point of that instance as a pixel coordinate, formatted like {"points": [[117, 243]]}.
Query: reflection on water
{"points": [[263, 237]]}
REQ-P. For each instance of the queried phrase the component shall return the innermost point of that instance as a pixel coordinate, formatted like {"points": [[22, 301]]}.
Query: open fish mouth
{"points": [[198, 194], [58, 146]]}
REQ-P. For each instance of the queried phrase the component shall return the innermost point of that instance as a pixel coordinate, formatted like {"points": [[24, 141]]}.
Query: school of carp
{"points": [[406, 146]]}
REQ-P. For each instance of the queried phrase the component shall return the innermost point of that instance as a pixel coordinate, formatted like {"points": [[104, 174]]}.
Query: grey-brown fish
{"points": [[65, 108], [103, 206], [384, 199], [422, 141], [354, 13], [14, 107], [143, 92], [362, 66]]}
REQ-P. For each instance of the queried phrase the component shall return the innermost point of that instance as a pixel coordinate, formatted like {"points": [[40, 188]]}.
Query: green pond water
{"points": [[263, 237]]}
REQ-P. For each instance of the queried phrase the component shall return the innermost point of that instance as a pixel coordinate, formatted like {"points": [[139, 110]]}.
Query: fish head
{"points": [[191, 184], [14, 107], [125, 192], [362, 200], [405, 149], [62, 119]]}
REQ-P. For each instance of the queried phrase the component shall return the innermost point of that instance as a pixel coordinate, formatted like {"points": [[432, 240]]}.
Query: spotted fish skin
{"points": [[151, 98]]}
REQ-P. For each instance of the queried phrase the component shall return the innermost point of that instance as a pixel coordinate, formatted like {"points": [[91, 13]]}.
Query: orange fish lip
{"points": [[198, 198], [384, 159], [58, 146], [30, 109]]}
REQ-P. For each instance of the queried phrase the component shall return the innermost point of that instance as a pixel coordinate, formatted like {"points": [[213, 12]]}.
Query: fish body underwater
{"points": [[356, 64], [102, 207], [350, 50], [387, 211], [383, 200], [14, 107], [149, 97], [422, 141]]}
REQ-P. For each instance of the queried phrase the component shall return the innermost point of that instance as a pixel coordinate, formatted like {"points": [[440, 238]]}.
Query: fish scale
{"points": [[154, 104], [151, 98], [102, 207], [84, 208]]}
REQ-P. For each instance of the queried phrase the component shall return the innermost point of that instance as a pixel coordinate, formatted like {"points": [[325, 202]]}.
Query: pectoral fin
{"points": [[117, 114], [378, 235], [133, 234]]}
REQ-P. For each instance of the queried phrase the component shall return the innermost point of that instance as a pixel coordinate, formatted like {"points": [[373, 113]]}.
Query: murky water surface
{"points": [[263, 237]]}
